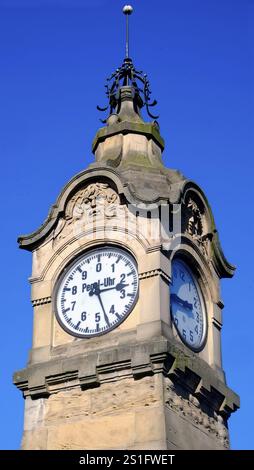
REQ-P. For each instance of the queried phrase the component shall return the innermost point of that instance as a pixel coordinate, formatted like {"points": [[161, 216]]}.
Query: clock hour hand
{"points": [[118, 286], [184, 303], [96, 291]]}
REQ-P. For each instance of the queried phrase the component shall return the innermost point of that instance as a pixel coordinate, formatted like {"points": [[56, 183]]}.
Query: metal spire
{"points": [[128, 75], [127, 11]]}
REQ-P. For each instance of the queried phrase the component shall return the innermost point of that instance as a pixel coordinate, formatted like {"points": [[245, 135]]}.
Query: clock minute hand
{"points": [[103, 309], [96, 291]]}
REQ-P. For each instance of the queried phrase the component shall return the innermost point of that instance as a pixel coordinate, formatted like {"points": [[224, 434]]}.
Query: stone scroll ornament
{"points": [[96, 200]]}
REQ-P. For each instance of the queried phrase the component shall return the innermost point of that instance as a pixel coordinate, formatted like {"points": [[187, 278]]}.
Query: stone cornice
{"points": [[126, 127], [154, 272], [136, 360], [42, 301]]}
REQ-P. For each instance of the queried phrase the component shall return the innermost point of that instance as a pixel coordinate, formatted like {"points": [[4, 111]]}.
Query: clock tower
{"points": [[125, 288]]}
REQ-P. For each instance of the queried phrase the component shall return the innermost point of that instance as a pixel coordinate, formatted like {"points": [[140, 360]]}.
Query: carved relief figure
{"points": [[96, 200], [194, 227]]}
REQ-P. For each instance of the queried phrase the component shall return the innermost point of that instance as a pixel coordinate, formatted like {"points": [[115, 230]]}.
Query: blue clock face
{"points": [[187, 306]]}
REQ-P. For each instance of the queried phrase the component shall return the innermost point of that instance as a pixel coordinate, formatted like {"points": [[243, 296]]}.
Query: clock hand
{"points": [[117, 287], [96, 291], [183, 303], [187, 305], [103, 309]]}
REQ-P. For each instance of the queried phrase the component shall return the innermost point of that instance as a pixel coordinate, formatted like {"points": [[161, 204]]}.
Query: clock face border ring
{"points": [[185, 259], [69, 265]]}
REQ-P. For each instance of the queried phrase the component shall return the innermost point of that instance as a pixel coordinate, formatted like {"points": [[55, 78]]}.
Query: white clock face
{"points": [[97, 292], [187, 306]]}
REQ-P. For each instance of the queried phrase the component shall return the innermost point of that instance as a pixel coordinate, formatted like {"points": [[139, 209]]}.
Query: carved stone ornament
{"points": [[194, 225], [96, 200], [204, 243], [190, 408]]}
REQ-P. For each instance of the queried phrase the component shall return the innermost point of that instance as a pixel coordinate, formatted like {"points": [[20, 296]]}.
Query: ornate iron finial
{"points": [[127, 75]]}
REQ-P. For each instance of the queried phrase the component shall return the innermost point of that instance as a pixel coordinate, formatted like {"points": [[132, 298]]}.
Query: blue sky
{"points": [[54, 58]]}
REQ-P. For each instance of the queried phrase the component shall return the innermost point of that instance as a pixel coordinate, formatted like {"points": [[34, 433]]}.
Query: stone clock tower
{"points": [[125, 282]]}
